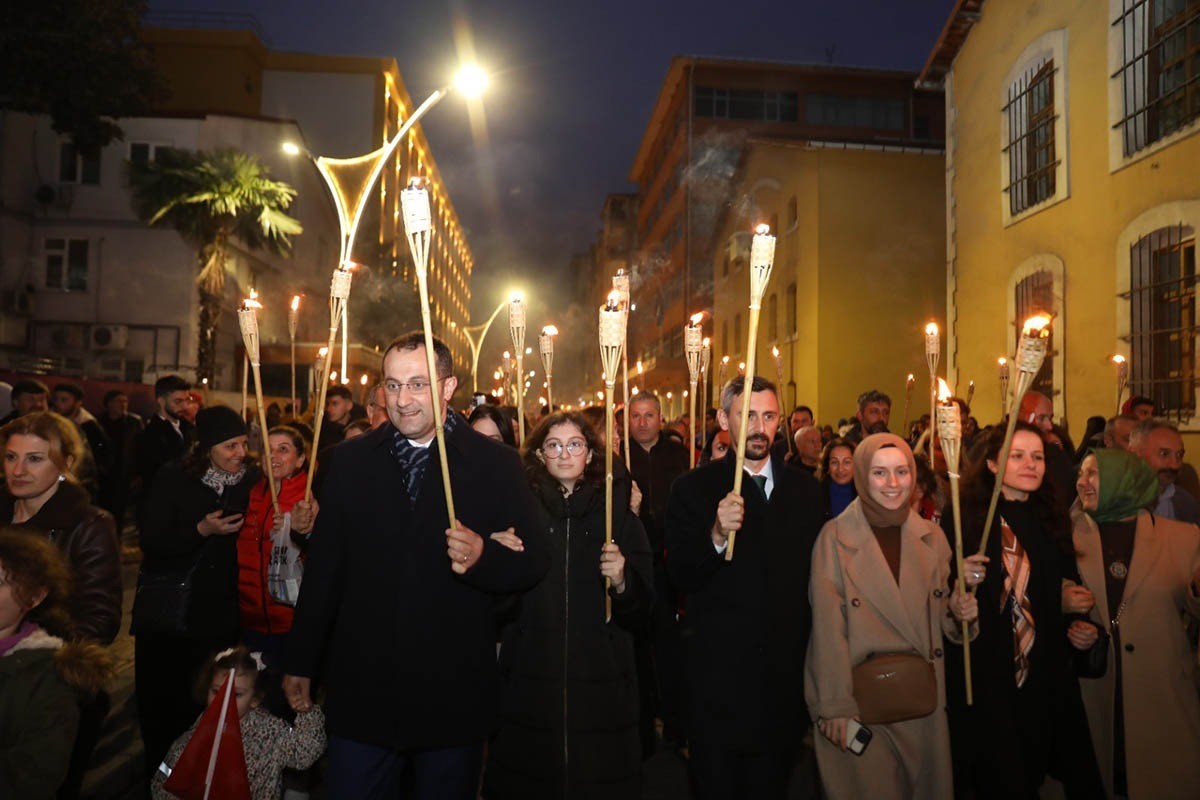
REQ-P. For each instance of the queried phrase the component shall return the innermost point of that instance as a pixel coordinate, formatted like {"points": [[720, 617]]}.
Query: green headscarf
{"points": [[1127, 485]]}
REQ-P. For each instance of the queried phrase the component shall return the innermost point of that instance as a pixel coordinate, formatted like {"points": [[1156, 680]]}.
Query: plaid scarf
{"points": [[413, 459]]}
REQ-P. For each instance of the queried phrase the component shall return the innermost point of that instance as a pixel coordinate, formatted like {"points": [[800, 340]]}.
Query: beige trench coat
{"points": [[858, 610], [1162, 711]]}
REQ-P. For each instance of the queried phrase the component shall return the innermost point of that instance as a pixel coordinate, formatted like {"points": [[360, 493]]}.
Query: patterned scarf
{"points": [[413, 459], [218, 479]]}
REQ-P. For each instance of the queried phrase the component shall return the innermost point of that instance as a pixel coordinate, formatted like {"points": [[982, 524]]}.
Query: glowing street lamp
{"points": [[476, 333]]}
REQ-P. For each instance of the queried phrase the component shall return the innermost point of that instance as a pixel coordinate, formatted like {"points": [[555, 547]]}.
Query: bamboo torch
{"points": [[762, 258], [933, 351], [949, 428], [546, 348], [293, 324], [418, 226], [720, 380], [339, 292], [1031, 352], [248, 323], [516, 329], [970, 392], [692, 347], [1122, 367], [787, 421], [612, 341], [621, 286], [1002, 365], [909, 382]]}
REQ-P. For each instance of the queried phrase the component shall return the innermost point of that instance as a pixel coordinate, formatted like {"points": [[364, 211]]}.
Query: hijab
{"points": [[1127, 485], [877, 515]]}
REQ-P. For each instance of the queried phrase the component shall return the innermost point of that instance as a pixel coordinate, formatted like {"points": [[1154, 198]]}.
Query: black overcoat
{"points": [[747, 622], [159, 444], [569, 694], [407, 647]]}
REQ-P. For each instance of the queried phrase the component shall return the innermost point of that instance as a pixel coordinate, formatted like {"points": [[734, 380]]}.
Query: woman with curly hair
{"points": [[569, 694]]}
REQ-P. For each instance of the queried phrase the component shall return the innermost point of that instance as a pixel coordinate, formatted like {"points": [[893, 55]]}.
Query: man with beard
{"points": [[874, 411], [748, 619], [1160, 445], [396, 608], [801, 416], [167, 435]]}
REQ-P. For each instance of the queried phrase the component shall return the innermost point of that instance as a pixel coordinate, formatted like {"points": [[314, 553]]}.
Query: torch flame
{"points": [[725, 360], [763, 229], [416, 182], [775, 352], [1002, 361], [931, 329], [614, 299], [550, 330], [1118, 359], [944, 394], [706, 341], [324, 351], [295, 302], [516, 297], [363, 380], [696, 318], [251, 301], [1036, 326], [910, 378]]}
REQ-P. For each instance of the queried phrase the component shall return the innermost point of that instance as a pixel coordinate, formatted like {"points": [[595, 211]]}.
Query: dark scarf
{"points": [[413, 459]]}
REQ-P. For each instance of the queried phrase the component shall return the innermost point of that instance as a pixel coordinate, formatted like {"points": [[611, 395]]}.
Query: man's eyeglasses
{"points": [[417, 386], [554, 449]]}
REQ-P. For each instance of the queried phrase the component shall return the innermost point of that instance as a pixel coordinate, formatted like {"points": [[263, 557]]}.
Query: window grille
{"points": [[1159, 71], [1035, 295], [1163, 331], [1032, 164]]}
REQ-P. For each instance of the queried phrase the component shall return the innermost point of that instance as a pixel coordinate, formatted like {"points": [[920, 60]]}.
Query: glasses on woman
{"points": [[555, 449]]}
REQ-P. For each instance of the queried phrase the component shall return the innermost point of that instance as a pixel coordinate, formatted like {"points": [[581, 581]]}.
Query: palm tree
{"points": [[209, 197]]}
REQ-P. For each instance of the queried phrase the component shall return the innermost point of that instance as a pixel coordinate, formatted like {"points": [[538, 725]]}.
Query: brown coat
{"points": [[859, 610], [1162, 711]]}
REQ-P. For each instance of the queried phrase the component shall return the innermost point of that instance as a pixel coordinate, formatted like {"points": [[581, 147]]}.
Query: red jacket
{"points": [[258, 611]]}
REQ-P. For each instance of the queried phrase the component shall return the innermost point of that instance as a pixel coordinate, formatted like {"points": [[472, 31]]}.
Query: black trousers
{"points": [[717, 772], [166, 670]]}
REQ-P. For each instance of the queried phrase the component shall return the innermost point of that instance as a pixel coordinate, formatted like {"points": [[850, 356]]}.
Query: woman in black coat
{"points": [[186, 607], [569, 698], [1027, 720]]}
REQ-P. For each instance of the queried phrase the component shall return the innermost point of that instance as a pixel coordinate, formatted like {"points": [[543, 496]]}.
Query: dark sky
{"points": [[573, 86]]}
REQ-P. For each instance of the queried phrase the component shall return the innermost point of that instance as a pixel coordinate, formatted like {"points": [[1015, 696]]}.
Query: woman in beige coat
{"points": [[1146, 571], [880, 584]]}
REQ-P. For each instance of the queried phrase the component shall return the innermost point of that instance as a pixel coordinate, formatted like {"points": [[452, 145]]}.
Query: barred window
{"points": [[1035, 295], [1159, 71], [1163, 331], [1030, 150]]}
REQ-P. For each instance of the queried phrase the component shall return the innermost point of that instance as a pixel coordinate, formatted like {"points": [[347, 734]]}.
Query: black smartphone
{"points": [[858, 736]]}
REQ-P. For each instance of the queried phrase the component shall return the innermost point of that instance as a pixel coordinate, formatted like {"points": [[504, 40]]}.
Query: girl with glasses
{"points": [[569, 693]]}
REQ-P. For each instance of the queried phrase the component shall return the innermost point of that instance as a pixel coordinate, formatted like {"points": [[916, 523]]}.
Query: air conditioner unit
{"points": [[739, 247], [108, 337]]}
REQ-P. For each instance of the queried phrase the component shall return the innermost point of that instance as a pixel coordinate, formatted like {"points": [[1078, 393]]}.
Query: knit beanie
{"points": [[216, 424]]}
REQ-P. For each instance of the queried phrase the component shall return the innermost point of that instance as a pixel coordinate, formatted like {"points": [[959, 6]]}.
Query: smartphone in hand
{"points": [[858, 736]]}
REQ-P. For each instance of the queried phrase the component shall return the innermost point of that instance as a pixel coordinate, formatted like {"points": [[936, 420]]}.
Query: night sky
{"points": [[573, 84]]}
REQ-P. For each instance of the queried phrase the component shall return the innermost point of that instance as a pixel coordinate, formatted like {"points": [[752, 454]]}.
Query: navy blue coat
{"points": [[407, 648]]}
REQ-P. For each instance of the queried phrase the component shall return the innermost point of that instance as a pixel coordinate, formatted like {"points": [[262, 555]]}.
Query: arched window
{"points": [[1036, 287]]}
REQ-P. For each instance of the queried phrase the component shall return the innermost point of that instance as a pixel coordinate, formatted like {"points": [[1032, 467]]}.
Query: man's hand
{"points": [[296, 690], [612, 566], [509, 539], [215, 524], [635, 499], [731, 512], [464, 547]]}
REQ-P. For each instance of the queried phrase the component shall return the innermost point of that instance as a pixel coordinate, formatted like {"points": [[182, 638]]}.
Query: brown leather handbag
{"points": [[893, 687]]}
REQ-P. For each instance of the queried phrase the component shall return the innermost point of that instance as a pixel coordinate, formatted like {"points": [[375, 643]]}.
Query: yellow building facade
{"points": [[858, 270], [1073, 187]]}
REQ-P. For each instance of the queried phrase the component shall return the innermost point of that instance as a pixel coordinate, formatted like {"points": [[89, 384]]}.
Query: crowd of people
{"points": [[543, 643]]}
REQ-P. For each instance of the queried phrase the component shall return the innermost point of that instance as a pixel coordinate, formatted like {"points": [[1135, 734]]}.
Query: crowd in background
{"points": [[526, 652]]}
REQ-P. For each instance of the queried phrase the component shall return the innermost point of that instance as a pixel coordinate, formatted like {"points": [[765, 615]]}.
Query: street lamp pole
{"points": [[477, 344], [349, 180]]}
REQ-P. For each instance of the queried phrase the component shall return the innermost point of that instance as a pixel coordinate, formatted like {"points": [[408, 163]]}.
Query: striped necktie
{"points": [[1016, 581]]}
